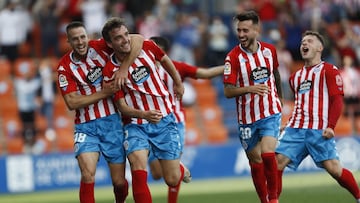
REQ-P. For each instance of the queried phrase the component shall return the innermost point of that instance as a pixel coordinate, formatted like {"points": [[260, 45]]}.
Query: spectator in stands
{"points": [[351, 78], [94, 15], [186, 38], [16, 24], [47, 15], [27, 86], [47, 93], [218, 43]]}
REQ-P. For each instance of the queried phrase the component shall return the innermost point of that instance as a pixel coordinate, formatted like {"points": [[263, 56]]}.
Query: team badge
{"points": [[260, 74], [63, 81], [140, 74], [267, 53]]}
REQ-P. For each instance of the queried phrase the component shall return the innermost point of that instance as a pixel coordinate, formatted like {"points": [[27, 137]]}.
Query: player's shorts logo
{"points": [[140, 74]]}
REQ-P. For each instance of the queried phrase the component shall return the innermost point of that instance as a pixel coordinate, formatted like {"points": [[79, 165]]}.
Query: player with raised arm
{"points": [[145, 92]]}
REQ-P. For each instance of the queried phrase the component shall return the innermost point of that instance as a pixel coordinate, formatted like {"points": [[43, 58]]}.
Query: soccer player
{"points": [[318, 89], [252, 78], [152, 126], [186, 71], [98, 127]]}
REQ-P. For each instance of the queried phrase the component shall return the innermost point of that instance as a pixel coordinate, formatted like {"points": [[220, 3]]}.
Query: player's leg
{"points": [[258, 172], [269, 130], [137, 149], [87, 154], [155, 167], [112, 149], [290, 152], [138, 162], [87, 163], [343, 176], [120, 184]]}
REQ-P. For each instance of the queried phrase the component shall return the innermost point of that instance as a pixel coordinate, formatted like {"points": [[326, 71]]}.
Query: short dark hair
{"points": [[248, 15], [161, 42], [74, 24], [110, 24], [316, 34]]}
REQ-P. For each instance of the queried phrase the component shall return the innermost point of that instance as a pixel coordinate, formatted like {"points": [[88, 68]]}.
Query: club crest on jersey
{"points": [[94, 76], [140, 74], [305, 86], [260, 74]]}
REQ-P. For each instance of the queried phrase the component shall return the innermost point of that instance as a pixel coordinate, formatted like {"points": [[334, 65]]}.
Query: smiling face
{"points": [[78, 40], [247, 33], [120, 40], [311, 49]]}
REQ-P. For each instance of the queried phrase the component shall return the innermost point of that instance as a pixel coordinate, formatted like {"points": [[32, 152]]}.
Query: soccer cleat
{"points": [[187, 174]]}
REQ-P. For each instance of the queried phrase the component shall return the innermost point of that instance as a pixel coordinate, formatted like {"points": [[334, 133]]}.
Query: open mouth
{"points": [[305, 49]]}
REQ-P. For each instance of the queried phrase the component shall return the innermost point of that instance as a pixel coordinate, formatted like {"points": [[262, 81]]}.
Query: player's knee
{"points": [[156, 175], [172, 180]]}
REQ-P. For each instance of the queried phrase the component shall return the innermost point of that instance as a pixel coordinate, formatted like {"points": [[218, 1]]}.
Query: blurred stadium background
{"points": [[202, 28]]}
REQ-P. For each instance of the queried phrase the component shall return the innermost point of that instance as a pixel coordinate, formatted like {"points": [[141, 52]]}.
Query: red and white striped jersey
{"points": [[145, 90], [244, 69], [313, 87], [85, 78], [185, 70]]}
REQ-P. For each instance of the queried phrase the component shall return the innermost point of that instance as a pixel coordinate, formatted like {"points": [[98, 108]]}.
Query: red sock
{"points": [[121, 192], [173, 192], [347, 181], [279, 182], [86, 192], [270, 170], [259, 180], [141, 190]]}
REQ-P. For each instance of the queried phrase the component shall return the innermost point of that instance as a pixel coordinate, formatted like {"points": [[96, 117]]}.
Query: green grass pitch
{"points": [[297, 188]]}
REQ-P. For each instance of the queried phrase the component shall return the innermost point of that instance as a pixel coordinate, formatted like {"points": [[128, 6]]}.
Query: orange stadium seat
{"points": [[65, 140], [216, 134], [5, 68], [23, 65], [15, 145]]}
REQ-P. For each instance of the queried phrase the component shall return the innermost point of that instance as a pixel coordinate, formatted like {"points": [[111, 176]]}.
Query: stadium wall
{"points": [[27, 173]]}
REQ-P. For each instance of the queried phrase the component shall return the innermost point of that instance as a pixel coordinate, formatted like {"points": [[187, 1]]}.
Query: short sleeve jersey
{"points": [[145, 90], [313, 87], [85, 77], [244, 69], [185, 71]]}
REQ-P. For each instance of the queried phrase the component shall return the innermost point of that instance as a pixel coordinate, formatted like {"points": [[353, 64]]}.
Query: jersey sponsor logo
{"points": [[63, 81], [305, 86], [140, 74], [260, 74], [94, 76], [227, 68]]}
